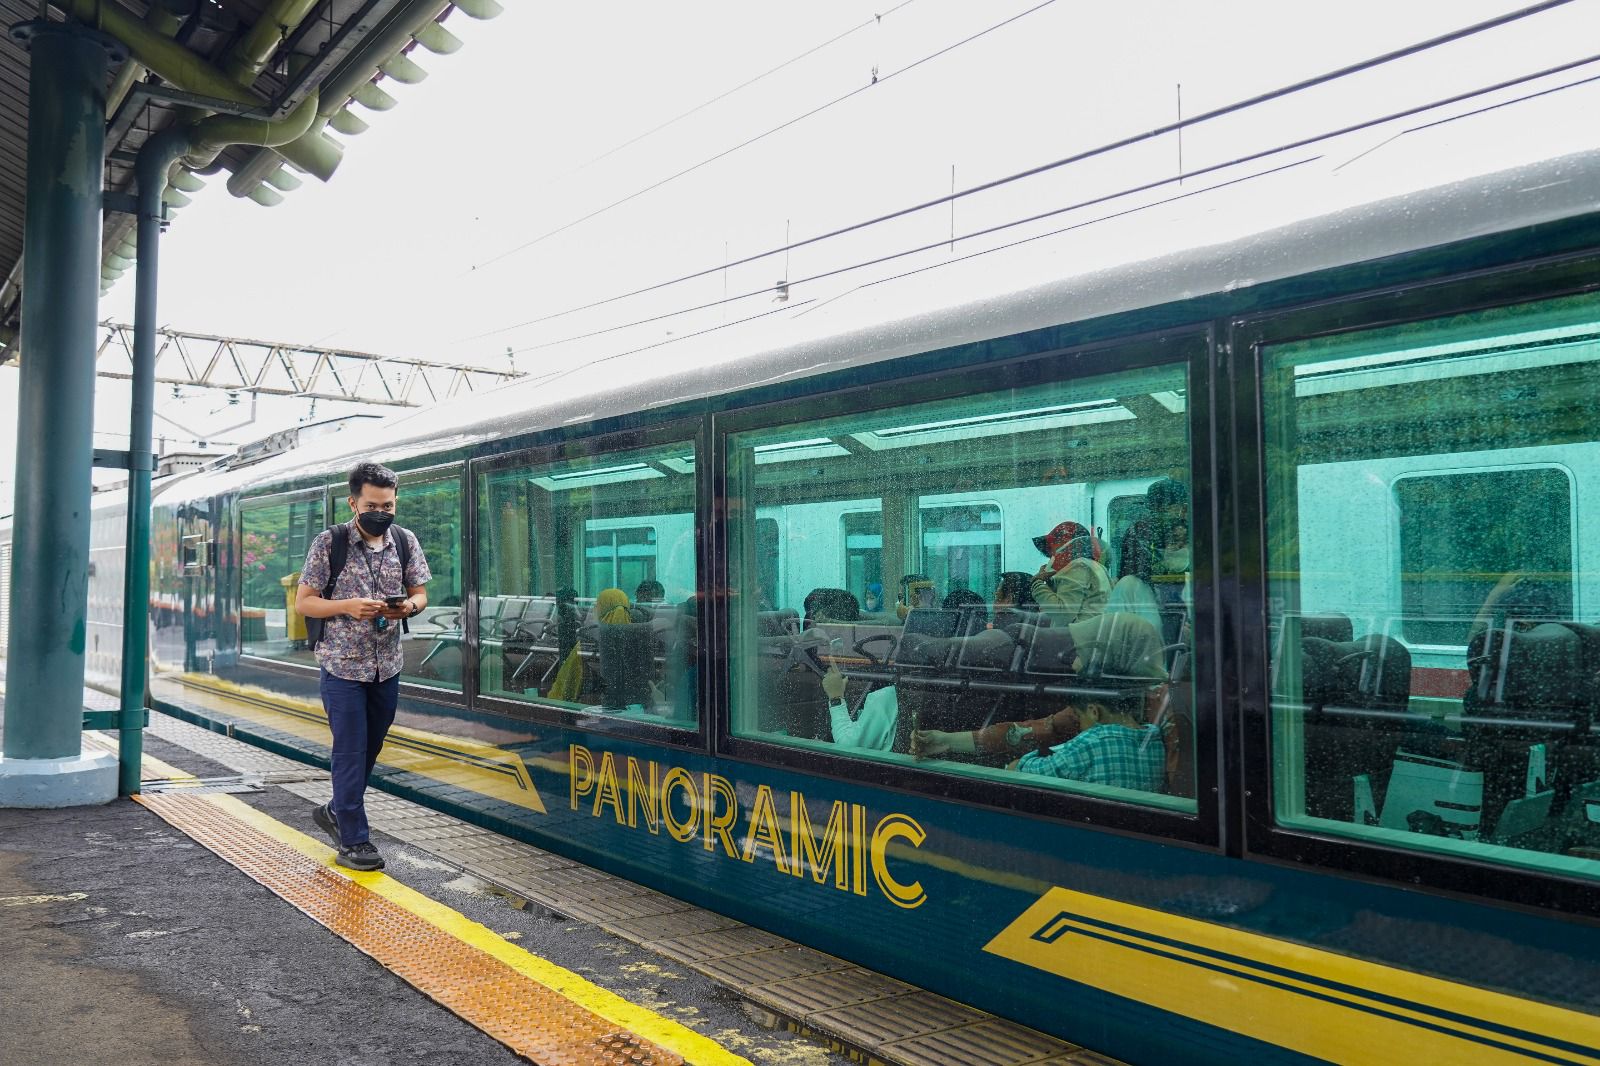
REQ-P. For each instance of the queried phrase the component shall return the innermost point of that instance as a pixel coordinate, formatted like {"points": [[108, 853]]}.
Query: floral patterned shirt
{"points": [[350, 648]]}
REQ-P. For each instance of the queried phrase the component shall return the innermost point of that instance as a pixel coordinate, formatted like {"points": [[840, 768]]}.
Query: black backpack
{"points": [[338, 553]]}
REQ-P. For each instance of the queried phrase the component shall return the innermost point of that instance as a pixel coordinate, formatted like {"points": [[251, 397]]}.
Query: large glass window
{"points": [[432, 509], [274, 536], [1433, 592], [586, 577], [946, 598], [1451, 560]]}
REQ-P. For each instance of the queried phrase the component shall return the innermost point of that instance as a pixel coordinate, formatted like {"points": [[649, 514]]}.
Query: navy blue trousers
{"points": [[359, 714]]}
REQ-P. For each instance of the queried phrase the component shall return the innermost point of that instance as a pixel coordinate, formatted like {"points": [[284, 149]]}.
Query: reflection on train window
{"points": [[961, 546], [1451, 559], [433, 647], [940, 591], [1433, 600], [586, 577], [274, 535]]}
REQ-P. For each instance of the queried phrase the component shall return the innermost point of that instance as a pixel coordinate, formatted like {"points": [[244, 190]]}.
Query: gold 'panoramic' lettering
{"points": [[608, 792], [764, 829], [683, 780], [642, 795], [707, 806], [720, 823], [892, 828], [835, 849]]}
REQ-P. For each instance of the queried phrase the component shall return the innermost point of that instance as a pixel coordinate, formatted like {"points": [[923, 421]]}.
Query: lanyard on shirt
{"points": [[377, 585]]}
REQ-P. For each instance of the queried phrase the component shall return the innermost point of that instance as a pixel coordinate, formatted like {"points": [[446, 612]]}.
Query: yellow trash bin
{"points": [[294, 622]]}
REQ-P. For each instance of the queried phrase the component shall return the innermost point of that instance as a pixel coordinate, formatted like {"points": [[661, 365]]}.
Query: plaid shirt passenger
{"points": [[1120, 755], [350, 648]]}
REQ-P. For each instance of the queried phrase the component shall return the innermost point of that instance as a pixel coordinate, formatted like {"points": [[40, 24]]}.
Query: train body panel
{"points": [[1234, 858]]}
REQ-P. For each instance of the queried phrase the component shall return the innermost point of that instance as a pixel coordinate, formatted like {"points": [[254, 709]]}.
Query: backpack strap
{"points": [[402, 543], [338, 553]]}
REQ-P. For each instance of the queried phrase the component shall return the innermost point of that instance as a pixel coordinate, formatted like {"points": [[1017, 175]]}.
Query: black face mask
{"points": [[374, 523]]}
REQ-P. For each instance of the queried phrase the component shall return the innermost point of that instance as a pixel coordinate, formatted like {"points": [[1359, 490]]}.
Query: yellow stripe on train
{"points": [[483, 768], [1316, 1002]]}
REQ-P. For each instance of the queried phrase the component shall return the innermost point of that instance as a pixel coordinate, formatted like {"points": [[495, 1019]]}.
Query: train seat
{"points": [[777, 623], [1332, 627], [1528, 722], [1357, 693], [625, 665]]}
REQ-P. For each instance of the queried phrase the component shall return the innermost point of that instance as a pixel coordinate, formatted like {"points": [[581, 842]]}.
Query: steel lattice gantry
{"points": [[273, 368]]}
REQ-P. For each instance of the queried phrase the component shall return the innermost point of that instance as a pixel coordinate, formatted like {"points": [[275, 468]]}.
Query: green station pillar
{"points": [[41, 759]]}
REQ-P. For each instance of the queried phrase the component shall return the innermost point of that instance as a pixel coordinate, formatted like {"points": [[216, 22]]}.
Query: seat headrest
{"points": [[1373, 672], [1331, 627], [1528, 670], [989, 649]]}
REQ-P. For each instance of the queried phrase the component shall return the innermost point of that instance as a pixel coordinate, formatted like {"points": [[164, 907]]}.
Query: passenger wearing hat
{"points": [[1074, 584]]}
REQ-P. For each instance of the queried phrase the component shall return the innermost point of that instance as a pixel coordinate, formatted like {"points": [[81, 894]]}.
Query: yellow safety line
{"points": [[646, 1023]]}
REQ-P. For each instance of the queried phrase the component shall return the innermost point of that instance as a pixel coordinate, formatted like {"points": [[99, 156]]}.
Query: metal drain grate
{"points": [[238, 785]]}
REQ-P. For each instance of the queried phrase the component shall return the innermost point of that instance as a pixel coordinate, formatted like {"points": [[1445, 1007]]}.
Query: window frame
{"points": [[1190, 345], [270, 499], [689, 431], [1242, 381], [428, 474]]}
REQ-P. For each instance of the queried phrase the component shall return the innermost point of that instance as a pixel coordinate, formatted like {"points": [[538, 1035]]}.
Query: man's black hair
{"points": [[375, 474]]}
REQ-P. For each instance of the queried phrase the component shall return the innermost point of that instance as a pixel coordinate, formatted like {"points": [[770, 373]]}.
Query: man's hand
{"points": [[1045, 573], [833, 683], [396, 614], [364, 610]]}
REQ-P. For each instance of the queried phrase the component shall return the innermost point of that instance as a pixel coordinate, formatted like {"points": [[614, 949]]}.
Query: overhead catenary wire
{"points": [[876, 81], [1145, 187], [1133, 139], [743, 85], [922, 248]]}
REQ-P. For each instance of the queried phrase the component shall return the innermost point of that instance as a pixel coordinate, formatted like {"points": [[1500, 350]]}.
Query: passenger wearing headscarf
{"points": [[611, 607], [1073, 585]]}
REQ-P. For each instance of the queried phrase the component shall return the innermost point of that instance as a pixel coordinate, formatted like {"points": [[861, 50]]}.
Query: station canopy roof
{"points": [[270, 60]]}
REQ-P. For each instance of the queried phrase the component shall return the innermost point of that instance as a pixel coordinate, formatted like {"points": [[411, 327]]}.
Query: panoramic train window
{"points": [[1434, 601], [431, 509], [586, 579], [945, 598], [1451, 560], [274, 535]]}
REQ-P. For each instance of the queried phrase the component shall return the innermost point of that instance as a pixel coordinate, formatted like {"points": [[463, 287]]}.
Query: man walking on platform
{"points": [[361, 581]]}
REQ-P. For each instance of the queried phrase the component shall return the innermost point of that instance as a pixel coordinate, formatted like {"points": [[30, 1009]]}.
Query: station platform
{"points": [[204, 922]]}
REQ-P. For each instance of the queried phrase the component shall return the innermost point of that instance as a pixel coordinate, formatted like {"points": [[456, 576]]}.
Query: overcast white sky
{"points": [[404, 251]]}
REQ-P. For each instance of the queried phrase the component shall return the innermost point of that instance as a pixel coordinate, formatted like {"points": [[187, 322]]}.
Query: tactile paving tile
{"points": [[895, 1022], [219, 748], [879, 1022], [805, 996], [526, 1016], [765, 967], [703, 946], [991, 1043], [645, 905], [672, 926]]}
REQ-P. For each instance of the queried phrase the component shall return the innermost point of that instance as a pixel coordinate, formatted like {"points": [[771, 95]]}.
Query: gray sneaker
{"points": [[326, 822], [362, 856]]}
